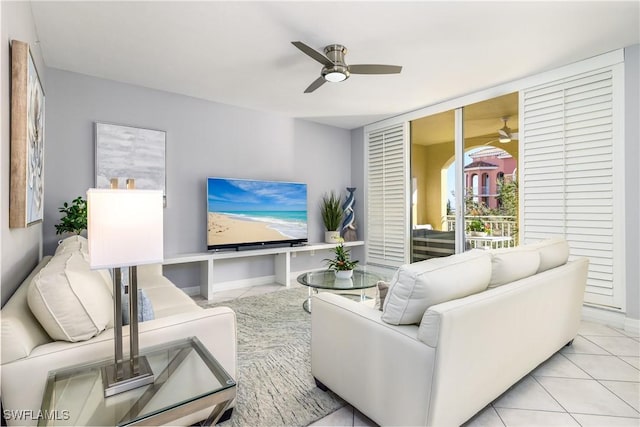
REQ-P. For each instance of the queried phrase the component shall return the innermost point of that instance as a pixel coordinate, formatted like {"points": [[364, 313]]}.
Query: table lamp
{"points": [[125, 229]]}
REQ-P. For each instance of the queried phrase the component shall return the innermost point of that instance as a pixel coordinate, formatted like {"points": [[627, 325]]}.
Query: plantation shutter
{"points": [[387, 177], [569, 134]]}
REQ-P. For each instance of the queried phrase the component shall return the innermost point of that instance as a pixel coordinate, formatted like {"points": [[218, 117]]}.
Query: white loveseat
{"points": [[28, 353], [462, 352]]}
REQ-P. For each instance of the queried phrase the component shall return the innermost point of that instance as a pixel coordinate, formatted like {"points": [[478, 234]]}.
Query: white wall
{"points": [[632, 180], [203, 139], [20, 247]]}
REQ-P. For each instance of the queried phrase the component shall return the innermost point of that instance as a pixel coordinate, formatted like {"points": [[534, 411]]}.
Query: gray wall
{"points": [[632, 180], [20, 247], [203, 139]]}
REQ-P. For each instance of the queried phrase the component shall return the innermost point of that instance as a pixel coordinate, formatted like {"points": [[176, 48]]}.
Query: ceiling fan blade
{"points": [[374, 69], [313, 53], [504, 133], [514, 135], [315, 85]]}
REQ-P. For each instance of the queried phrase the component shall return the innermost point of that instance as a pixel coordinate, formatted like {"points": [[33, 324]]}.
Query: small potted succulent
{"points": [[477, 228], [341, 264], [331, 217], [75, 217]]}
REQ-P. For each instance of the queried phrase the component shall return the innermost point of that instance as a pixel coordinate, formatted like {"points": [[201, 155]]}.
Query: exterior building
{"points": [[488, 168]]}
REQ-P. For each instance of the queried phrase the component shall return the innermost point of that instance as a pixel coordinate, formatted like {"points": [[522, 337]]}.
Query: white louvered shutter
{"points": [[569, 137], [387, 178]]}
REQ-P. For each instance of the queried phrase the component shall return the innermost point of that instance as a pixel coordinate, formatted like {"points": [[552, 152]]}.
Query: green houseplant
{"points": [[477, 228], [75, 217], [331, 216], [341, 263]]}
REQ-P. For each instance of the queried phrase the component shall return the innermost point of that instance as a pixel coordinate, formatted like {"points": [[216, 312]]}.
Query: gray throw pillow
{"points": [[145, 309]]}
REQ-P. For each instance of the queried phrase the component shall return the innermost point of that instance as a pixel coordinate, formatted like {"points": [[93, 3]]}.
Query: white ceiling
{"points": [[240, 53]]}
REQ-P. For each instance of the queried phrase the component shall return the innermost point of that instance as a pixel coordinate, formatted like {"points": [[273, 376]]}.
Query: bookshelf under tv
{"points": [[281, 256]]}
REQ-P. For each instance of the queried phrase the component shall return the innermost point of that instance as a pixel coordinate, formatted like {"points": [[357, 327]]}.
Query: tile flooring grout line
{"points": [[616, 395], [601, 348], [498, 414], [576, 365], [552, 396]]}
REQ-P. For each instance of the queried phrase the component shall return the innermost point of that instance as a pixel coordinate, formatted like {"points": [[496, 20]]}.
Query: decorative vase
{"points": [[343, 274], [348, 229], [332, 237]]}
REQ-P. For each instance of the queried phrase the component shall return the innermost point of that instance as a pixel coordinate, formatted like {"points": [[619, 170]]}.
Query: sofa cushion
{"points": [[416, 287], [511, 264], [71, 302], [554, 252]]}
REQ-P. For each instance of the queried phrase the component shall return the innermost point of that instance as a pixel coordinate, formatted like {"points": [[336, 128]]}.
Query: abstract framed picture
{"points": [[26, 193], [125, 152]]}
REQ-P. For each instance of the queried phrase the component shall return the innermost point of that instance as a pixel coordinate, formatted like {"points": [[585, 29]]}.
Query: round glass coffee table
{"points": [[327, 280]]}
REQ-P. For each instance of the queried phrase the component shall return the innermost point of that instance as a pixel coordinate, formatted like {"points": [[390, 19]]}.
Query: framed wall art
{"points": [[129, 152], [26, 192]]}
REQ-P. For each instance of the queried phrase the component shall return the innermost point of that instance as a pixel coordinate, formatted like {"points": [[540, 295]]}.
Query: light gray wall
{"points": [[20, 247], [203, 139], [632, 180]]}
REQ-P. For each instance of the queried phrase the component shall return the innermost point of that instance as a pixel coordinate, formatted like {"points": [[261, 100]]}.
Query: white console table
{"points": [[281, 255]]}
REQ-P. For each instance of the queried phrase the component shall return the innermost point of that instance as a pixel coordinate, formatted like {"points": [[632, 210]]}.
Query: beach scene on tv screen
{"points": [[247, 211]]}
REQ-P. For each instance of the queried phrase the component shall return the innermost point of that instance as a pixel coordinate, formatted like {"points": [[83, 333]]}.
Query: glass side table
{"points": [[326, 279], [187, 379]]}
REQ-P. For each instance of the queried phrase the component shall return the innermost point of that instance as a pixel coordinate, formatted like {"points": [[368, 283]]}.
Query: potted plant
{"points": [[477, 228], [341, 263], [75, 217], [331, 217]]}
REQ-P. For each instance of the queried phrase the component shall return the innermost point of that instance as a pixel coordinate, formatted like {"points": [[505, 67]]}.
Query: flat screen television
{"points": [[244, 212]]}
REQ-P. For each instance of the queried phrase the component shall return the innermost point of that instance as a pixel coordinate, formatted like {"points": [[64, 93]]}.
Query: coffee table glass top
{"points": [[326, 279], [187, 377]]}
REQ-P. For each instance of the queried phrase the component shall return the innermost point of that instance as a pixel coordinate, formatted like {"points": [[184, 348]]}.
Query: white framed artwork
{"points": [[125, 152]]}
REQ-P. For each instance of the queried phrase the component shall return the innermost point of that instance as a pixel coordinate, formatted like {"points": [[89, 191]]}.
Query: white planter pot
{"points": [[332, 237], [343, 274]]}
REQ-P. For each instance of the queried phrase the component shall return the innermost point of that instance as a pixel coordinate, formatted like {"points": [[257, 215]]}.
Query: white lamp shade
{"points": [[125, 227]]}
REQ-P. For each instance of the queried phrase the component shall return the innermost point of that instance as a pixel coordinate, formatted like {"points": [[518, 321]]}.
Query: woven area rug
{"points": [[275, 385]]}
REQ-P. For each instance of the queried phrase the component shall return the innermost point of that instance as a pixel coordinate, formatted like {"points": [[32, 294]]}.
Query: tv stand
{"points": [[282, 261]]}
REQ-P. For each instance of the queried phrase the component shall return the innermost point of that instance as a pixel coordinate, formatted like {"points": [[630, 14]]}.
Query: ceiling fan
{"points": [[335, 69], [505, 134]]}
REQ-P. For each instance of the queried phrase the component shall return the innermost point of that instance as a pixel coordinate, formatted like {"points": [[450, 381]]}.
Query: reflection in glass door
{"points": [[490, 172], [432, 195], [472, 202]]}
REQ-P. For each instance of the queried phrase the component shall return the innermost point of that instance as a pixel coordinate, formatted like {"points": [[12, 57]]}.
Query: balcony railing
{"points": [[500, 225]]}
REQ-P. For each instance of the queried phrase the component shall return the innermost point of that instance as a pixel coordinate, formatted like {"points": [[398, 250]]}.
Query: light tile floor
{"points": [[594, 382]]}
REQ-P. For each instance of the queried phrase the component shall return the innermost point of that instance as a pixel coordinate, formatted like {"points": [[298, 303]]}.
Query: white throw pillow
{"points": [[73, 244], [554, 252], [416, 287], [71, 302], [509, 265]]}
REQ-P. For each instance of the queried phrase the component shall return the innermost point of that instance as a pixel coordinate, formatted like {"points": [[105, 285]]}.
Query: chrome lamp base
{"points": [[128, 378]]}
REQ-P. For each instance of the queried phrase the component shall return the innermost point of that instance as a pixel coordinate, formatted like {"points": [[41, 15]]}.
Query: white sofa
{"points": [[462, 352], [28, 353]]}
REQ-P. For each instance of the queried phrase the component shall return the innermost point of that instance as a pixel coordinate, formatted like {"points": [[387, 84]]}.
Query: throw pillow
{"points": [[70, 300], [145, 309], [554, 252], [381, 293], [509, 265], [416, 287], [72, 244]]}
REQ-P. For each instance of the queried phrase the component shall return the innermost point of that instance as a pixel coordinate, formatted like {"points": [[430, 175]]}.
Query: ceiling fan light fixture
{"points": [[337, 73], [504, 139], [335, 76]]}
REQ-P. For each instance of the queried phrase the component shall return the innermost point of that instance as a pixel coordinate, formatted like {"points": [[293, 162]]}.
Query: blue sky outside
{"points": [[236, 195]]}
